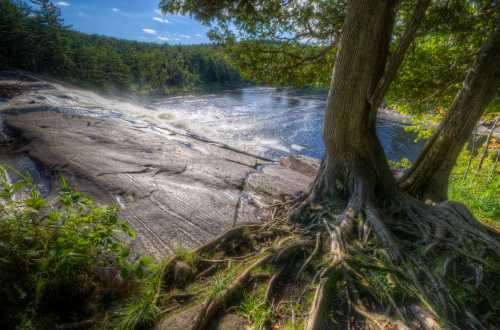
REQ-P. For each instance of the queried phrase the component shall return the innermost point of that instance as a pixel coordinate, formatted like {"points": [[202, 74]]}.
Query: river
{"points": [[272, 122], [264, 121]]}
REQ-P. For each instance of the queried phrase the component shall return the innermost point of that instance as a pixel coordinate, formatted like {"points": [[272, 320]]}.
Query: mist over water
{"points": [[264, 121], [271, 122]]}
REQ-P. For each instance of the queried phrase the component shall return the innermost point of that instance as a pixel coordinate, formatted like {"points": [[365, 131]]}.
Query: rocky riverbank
{"points": [[175, 188]]}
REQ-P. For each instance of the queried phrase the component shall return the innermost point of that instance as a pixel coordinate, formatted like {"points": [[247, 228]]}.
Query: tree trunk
{"points": [[398, 55], [355, 162], [428, 177]]}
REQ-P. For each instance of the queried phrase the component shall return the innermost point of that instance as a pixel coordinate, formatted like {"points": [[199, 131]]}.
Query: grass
{"points": [[142, 311], [139, 314], [220, 282], [479, 190], [254, 308]]}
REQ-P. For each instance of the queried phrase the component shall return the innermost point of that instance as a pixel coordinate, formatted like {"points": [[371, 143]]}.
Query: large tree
{"points": [[404, 229]]}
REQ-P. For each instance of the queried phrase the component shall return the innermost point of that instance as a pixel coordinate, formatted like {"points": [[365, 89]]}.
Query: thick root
{"points": [[271, 285], [317, 318], [382, 261], [232, 234], [214, 305], [312, 256]]}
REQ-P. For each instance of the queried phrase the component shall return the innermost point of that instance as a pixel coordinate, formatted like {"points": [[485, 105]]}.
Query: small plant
{"points": [[188, 256], [255, 309], [402, 164], [142, 310], [220, 282], [61, 260]]}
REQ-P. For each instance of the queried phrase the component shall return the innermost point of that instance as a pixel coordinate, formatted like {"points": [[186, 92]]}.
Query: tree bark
{"points": [[428, 177], [398, 56], [355, 162]]}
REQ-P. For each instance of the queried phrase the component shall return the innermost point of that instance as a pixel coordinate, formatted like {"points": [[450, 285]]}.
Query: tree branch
{"points": [[397, 57], [382, 54], [429, 175]]}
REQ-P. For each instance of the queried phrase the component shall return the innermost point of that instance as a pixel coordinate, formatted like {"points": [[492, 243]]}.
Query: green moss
{"points": [[264, 270], [188, 256]]}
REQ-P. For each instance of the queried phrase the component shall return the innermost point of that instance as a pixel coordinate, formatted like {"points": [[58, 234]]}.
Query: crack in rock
{"points": [[243, 194], [144, 170], [169, 171]]}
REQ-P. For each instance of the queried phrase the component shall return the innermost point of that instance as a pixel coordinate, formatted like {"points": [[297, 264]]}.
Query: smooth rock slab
{"points": [[176, 189]]}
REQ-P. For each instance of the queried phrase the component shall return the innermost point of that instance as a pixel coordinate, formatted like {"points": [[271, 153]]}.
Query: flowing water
{"points": [[260, 120], [272, 122]]}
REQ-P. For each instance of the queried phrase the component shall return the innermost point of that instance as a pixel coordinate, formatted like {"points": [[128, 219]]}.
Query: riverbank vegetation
{"points": [[361, 248], [475, 181], [66, 262], [63, 260], [34, 38]]}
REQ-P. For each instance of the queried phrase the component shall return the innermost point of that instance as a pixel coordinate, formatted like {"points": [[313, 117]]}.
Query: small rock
{"points": [[304, 165], [232, 322]]}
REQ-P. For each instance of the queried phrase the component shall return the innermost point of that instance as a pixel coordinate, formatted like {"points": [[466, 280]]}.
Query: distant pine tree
{"points": [[35, 38]]}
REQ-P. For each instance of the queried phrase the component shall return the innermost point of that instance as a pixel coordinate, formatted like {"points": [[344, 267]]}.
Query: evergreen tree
{"points": [[35, 38]]}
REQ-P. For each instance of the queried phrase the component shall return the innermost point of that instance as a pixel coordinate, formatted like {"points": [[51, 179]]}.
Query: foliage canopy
{"points": [[294, 42]]}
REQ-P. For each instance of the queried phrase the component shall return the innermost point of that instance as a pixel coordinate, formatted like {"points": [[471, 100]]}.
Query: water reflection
{"points": [[272, 122]]}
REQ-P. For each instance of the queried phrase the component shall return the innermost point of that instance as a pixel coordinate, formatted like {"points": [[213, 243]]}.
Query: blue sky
{"points": [[131, 19]]}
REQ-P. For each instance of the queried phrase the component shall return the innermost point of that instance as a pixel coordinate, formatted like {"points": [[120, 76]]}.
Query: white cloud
{"points": [[158, 11], [63, 4], [115, 10], [185, 36], [149, 31], [161, 20], [199, 35], [163, 38]]}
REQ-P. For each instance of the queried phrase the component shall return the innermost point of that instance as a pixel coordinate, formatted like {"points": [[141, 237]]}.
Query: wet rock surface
{"points": [[175, 188]]}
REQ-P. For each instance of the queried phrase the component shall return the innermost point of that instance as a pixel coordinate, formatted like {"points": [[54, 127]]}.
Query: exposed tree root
{"points": [[213, 305], [312, 256], [405, 265], [234, 233], [271, 285], [317, 318]]}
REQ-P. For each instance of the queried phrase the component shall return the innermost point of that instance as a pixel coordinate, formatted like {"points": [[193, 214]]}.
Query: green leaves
{"points": [[36, 201], [37, 40], [48, 247]]}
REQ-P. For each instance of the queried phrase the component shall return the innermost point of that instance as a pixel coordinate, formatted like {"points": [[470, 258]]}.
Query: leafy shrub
{"points": [[61, 259]]}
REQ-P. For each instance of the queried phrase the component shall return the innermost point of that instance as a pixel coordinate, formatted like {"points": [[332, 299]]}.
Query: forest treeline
{"points": [[34, 38]]}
